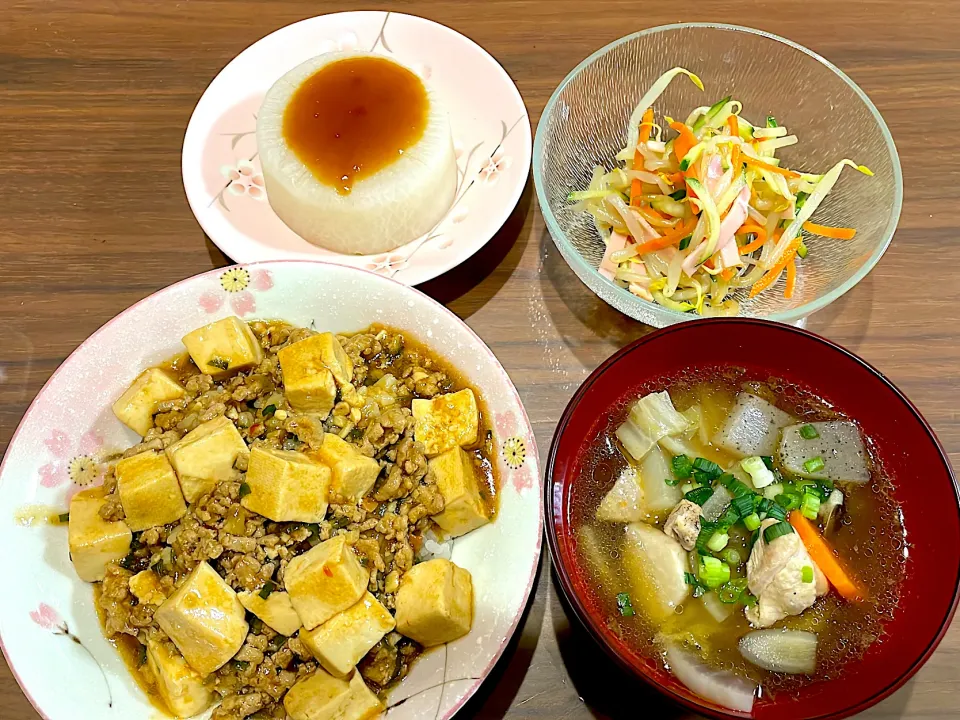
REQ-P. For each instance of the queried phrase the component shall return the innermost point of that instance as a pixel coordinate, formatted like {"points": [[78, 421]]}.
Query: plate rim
{"points": [[506, 208], [535, 454]]}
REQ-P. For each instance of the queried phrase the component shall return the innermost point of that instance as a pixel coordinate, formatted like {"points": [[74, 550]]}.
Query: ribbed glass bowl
{"points": [[584, 125]]}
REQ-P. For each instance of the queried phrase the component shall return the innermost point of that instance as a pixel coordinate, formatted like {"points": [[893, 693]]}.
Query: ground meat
{"points": [[247, 550]]}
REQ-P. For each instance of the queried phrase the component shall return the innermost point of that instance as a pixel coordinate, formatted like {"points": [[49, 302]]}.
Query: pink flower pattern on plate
{"points": [[54, 474], [496, 164], [239, 285], [47, 618], [387, 264], [244, 180]]}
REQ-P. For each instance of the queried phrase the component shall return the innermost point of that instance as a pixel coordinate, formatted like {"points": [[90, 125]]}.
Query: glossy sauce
{"points": [[354, 117]]}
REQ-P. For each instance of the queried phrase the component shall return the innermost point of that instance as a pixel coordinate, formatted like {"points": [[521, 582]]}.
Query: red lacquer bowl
{"points": [[923, 479]]}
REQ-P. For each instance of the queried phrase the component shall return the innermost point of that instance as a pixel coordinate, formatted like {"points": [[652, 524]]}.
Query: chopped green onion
{"points": [[267, 590], [776, 512], [681, 466], [743, 505], [768, 461], [699, 495], [810, 506], [729, 518], [679, 194], [731, 557], [801, 199], [718, 542], [240, 665], [748, 599], [219, 362], [788, 500], [713, 573], [813, 465], [671, 481], [806, 574], [752, 522], [728, 594], [736, 488], [685, 243], [809, 432], [758, 471], [706, 532], [708, 466], [778, 530], [269, 410], [141, 655], [624, 605], [771, 121], [244, 490], [802, 250], [687, 487], [63, 517]]}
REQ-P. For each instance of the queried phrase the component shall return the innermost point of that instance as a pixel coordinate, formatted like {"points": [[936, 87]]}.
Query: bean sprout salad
{"points": [[691, 220]]}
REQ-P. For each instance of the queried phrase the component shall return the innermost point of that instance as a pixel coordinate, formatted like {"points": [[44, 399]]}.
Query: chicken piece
{"points": [[775, 577], [684, 524]]}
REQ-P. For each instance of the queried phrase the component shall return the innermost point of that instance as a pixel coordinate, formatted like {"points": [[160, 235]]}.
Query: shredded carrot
{"points": [[791, 278], [826, 559], [772, 168], [830, 232], [757, 242], [670, 238], [728, 273], [685, 141], [735, 157], [771, 277], [646, 125], [734, 126]]}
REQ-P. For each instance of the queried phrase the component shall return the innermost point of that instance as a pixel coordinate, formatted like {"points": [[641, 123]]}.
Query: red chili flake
{"points": [[327, 571]]}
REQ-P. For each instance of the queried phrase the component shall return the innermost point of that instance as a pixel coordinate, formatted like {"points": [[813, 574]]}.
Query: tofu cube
{"points": [[353, 472], [149, 491], [179, 685], [309, 383], [458, 479], [446, 421], [435, 602], [303, 359], [324, 581], [146, 587], [321, 696], [341, 642], [224, 347], [276, 611], [94, 542], [138, 404], [286, 486], [205, 620], [205, 456]]}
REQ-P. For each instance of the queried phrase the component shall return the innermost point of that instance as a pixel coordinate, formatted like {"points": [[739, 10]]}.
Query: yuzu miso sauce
{"points": [[354, 117]]}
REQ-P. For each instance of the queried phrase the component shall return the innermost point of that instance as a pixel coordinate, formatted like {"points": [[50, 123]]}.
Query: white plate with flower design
{"points": [[49, 631], [491, 131]]}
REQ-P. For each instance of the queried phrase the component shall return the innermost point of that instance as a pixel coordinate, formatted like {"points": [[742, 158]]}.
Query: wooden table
{"points": [[94, 99]]}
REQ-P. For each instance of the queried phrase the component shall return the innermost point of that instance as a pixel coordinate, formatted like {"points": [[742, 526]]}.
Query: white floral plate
{"points": [[49, 630], [491, 130]]}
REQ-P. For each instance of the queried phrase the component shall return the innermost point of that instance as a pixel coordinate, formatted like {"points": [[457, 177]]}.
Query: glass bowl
{"points": [[584, 125], [904, 443]]}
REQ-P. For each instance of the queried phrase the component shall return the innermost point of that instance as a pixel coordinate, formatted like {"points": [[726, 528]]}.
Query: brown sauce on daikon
{"points": [[355, 117]]}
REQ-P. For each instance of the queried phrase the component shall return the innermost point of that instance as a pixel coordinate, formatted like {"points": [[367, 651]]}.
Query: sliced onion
{"points": [[632, 222]]}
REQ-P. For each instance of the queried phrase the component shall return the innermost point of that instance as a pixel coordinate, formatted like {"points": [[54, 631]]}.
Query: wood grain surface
{"points": [[94, 99]]}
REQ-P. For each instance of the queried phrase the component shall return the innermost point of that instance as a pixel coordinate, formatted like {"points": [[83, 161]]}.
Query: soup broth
{"points": [[868, 536]]}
